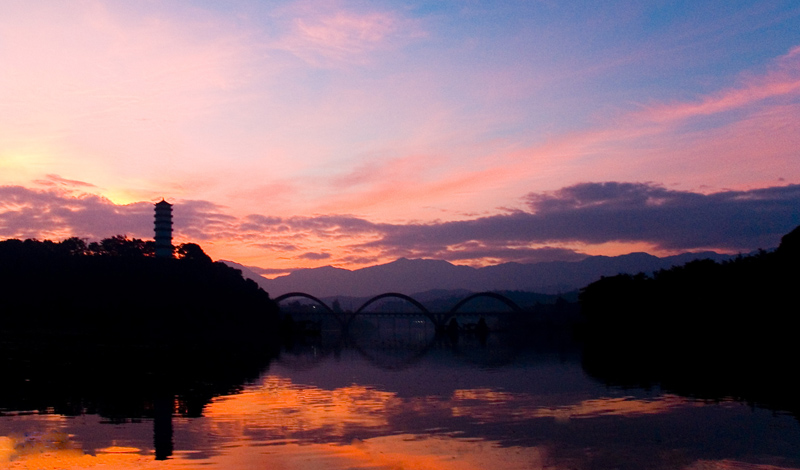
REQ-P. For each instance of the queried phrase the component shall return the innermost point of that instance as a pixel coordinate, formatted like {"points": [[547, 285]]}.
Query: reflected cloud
{"points": [[380, 453], [623, 406], [445, 453], [58, 450], [285, 410], [389, 453], [496, 406]]}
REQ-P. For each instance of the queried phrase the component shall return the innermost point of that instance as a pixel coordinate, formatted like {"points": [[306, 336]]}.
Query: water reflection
{"points": [[52, 387], [279, 409], [389, 452], [463, 405]]}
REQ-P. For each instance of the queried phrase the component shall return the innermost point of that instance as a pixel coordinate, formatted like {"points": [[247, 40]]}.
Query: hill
{"points": [[419, 275]]}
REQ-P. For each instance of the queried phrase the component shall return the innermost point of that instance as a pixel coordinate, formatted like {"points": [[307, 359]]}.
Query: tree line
{"points": [[701, 301], [117, 289], [705, 328]]}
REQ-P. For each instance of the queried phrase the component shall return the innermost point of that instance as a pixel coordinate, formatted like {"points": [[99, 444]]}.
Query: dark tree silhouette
{"points": [[122, 246], [74, 246], [704, 328], [192, 251], [116, 289]]}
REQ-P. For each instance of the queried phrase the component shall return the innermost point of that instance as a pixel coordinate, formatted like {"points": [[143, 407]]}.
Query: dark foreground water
{"points": [[378, 405]]}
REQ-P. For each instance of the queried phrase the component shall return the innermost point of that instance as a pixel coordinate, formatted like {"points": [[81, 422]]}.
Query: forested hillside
{"points": [[117, 289]]}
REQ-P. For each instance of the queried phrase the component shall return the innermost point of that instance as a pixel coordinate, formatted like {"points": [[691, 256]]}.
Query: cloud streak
{"points": [[782, 80]]}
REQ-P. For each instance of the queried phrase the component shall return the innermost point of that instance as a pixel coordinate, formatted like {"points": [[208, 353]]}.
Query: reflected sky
{"points": [[443, 413], [277, 406]]}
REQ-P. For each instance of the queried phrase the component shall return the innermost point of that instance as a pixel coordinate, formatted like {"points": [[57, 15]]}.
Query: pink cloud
{"points": [[324, 34], [782, 80], [57, 181]]}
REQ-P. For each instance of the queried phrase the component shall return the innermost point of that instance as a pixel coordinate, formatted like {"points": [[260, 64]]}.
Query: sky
{"points": [[295, 134]]}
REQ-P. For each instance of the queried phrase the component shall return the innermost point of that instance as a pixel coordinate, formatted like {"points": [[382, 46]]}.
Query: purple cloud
{"points": [[587, 213], [595, 213], [26, 213]]}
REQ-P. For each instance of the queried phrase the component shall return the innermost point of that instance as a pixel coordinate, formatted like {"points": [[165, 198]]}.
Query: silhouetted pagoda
{"points": [[163, 228]]}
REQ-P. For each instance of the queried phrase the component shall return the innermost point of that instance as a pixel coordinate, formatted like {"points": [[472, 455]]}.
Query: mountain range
{"points": [[410, 276]]}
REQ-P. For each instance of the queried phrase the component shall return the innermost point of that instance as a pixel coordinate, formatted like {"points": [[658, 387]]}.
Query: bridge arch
{"points": [[304, 295], [407, 298], [492, 295]]}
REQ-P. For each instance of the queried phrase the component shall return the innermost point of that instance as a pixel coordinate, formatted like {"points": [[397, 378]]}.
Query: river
{"points": [[440, 404]]}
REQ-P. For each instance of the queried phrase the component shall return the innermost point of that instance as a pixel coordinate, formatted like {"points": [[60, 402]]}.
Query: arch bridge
{"points": [[439, 320], [317, 301]]}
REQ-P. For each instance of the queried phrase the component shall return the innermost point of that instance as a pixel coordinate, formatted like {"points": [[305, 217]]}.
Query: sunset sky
{"points": [[350, 133]]}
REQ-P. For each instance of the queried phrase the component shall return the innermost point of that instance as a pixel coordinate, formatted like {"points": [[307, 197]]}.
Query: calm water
{"points": [[383, 405]]}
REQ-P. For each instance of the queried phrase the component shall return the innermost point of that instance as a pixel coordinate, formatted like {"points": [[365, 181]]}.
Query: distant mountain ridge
{"points": [[411, 276]]}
